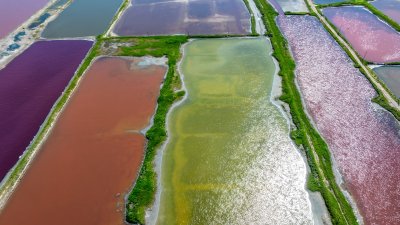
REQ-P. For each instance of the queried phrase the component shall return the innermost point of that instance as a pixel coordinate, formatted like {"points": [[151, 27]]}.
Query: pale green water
{"points": [[229, 159]]}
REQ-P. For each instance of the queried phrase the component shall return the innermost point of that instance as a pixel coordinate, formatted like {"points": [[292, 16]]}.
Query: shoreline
{"points": [[152, 212], [32, 35], [144, 130], [314, 198], [259, 25], [126, 4]]}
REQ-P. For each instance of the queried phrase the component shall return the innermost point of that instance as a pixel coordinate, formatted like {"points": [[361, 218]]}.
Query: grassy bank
{"points": [[123, 6], [253, 19], [370, 7], [143, 192], [217, 36], [46, 126], [322, 178]]}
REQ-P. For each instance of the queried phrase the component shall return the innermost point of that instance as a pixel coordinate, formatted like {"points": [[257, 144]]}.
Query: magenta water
{"points": [[390, 7], [373, 39], [194, 17], [363, 138], [14, 13], [29, 86]]}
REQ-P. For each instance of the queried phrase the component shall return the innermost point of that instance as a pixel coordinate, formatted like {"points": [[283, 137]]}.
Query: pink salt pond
{"points": [[13, 13], [364, 138], [390, 7], [194, 17], [373, 39]]}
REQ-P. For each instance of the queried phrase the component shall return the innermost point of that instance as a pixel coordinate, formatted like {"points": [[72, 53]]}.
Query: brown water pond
{"points": [[93, 154]]}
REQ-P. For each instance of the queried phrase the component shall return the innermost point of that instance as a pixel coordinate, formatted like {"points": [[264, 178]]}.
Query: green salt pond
{"points": [[229, 159]]}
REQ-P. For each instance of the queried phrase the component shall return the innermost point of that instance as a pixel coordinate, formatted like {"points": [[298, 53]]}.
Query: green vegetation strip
{"points": [[142, 195], [322, 178], [46, 126], [253, 19]]}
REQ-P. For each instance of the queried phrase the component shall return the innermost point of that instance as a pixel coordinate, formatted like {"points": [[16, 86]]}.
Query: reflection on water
{"points": [[229, 159], [184, 17]]}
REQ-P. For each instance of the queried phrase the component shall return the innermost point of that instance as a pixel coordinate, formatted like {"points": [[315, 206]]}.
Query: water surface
{"points": [[92, 156], [229, 159], [327, 1], [29, 86], [14, 13], [390, 75], [83, 18], [366, 33], [364, 139], [293, 5], [390, 7], [192, 17]]}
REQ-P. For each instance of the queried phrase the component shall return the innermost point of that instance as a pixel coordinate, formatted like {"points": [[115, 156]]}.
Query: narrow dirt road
{"points": [[392, 102]]}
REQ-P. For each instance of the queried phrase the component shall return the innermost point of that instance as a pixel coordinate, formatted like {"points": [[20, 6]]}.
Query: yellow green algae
{"points": [[229, 159]]}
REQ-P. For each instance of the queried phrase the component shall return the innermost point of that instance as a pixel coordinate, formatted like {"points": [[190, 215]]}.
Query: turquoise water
{"points": [[83, 18]]}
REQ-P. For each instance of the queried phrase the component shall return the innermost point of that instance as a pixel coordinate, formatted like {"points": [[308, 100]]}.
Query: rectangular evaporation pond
{"points": [[29, 86], [363, 138], [94, 152], [83, 18], [321, 2], [366, 33], [194, 17], [390, 75], [14, 13], [293, 5], [389, 7], [229, 152]]}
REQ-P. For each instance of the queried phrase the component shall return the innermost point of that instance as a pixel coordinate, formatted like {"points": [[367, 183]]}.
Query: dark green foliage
{"points": [[142, 195]]}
